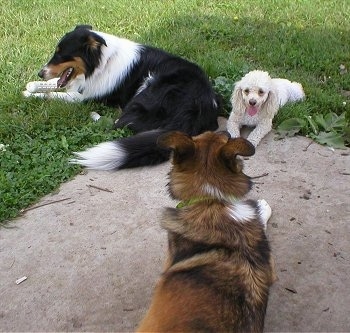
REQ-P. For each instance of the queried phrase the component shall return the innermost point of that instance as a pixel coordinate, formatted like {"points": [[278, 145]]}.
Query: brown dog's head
{"points": [[207, 165], [78, 52]]}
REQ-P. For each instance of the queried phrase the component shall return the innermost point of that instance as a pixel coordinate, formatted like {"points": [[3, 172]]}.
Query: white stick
{"points": [[71, 96], [42, 86], [21, 280]]}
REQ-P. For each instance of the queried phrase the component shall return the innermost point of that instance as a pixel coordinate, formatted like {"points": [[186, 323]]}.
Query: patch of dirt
{"points": [[93, 253]]}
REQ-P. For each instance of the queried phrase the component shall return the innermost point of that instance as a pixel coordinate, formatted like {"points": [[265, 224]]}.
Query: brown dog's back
{"points": [[218, 270]]}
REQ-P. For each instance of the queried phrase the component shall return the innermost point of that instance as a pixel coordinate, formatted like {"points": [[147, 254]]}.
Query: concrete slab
{"points": [[94, 250]]}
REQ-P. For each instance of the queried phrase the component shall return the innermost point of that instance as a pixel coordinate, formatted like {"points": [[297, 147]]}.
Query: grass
{"points": [[302, 40]]}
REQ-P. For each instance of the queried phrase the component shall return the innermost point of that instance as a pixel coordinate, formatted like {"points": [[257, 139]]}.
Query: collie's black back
{"points": [[167, 92]]}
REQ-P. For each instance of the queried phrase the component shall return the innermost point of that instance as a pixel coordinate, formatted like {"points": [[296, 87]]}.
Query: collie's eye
{"points": [[261, 92], [246, 91]]}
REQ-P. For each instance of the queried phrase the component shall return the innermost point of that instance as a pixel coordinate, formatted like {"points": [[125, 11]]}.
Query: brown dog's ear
{"points": [[237, 146], [234, 147], [180, 143]]}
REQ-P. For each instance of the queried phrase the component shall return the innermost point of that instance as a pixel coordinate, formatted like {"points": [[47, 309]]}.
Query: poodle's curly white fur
{"points": [[256, 99]]}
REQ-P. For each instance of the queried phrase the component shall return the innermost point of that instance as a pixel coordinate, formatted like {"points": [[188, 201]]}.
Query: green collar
{"points": [[192, 201]]}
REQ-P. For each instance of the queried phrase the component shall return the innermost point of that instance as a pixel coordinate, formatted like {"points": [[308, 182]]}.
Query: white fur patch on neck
{"points": [[117, 59], [212, 191], [242, 211]]}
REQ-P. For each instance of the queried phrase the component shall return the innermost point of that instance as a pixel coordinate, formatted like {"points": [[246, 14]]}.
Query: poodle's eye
{"points": [[246, 91], [261, 92]]}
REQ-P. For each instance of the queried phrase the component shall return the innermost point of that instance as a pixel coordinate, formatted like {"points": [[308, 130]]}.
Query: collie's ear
{"points": [[180, 143], [83, 26], [237, 146], [271, 104], [237, 98], [95, 41]]}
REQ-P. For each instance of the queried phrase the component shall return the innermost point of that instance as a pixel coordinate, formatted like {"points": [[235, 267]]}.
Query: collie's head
{"points": [[207, 165], [77, 53]]}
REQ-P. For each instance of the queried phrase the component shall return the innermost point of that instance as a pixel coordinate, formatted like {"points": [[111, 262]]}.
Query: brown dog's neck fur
{"points": [[220, 228]]}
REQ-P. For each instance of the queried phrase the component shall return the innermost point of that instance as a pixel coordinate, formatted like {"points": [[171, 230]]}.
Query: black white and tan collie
{"points": [[219, 268], [157, 92]]}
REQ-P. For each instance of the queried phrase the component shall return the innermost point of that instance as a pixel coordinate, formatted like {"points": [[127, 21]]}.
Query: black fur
{"points": [[178, 96]]}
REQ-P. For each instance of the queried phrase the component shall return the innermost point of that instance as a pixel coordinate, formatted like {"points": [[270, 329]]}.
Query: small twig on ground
{"points": [[263, 175], [345, 173], [100, 188], [291, 290], [44, 204], [70, 202], [13, 262], [323, 155], [307, 147]]}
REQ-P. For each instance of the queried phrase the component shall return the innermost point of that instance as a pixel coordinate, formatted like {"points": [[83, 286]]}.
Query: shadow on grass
{"points": [[231, 48]]}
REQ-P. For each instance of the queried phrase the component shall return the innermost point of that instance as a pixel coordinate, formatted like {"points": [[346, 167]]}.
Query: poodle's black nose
{"points": [[252, 101]]}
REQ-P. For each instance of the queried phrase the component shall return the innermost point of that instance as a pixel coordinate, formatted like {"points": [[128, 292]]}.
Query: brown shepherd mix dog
{"points": [[219, 268]]}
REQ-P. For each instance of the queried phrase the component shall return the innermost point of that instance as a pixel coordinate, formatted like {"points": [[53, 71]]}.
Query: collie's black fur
{"points": [[157, 91]]}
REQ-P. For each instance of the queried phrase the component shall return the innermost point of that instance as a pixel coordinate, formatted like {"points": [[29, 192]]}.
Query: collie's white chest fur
{"points": [[117, 58]]}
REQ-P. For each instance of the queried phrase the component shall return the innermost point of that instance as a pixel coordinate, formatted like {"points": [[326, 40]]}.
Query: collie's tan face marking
{"points": [[207, 165], [51, 71]]}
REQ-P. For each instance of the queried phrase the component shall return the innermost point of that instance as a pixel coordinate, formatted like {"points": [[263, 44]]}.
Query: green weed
{"points": [[331, 129]]}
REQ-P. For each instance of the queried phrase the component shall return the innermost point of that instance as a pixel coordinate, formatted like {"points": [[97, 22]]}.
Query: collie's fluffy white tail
{"points": [[134, 151], [105, 156]]}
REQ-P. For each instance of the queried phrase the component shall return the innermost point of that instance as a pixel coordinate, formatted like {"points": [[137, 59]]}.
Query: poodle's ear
{"points": [[237, 98], [271, 104], [180, 143]]}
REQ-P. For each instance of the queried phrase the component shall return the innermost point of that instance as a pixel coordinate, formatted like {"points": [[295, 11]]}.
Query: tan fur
{"points": [[219, 270], [55, 70], [93, 43]]}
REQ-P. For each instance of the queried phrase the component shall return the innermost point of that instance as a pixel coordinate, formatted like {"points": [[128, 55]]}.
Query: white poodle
{"points": [[256, 99]]}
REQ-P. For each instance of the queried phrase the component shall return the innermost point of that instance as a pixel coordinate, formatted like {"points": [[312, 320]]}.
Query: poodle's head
{"points": [[254, 91]]}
